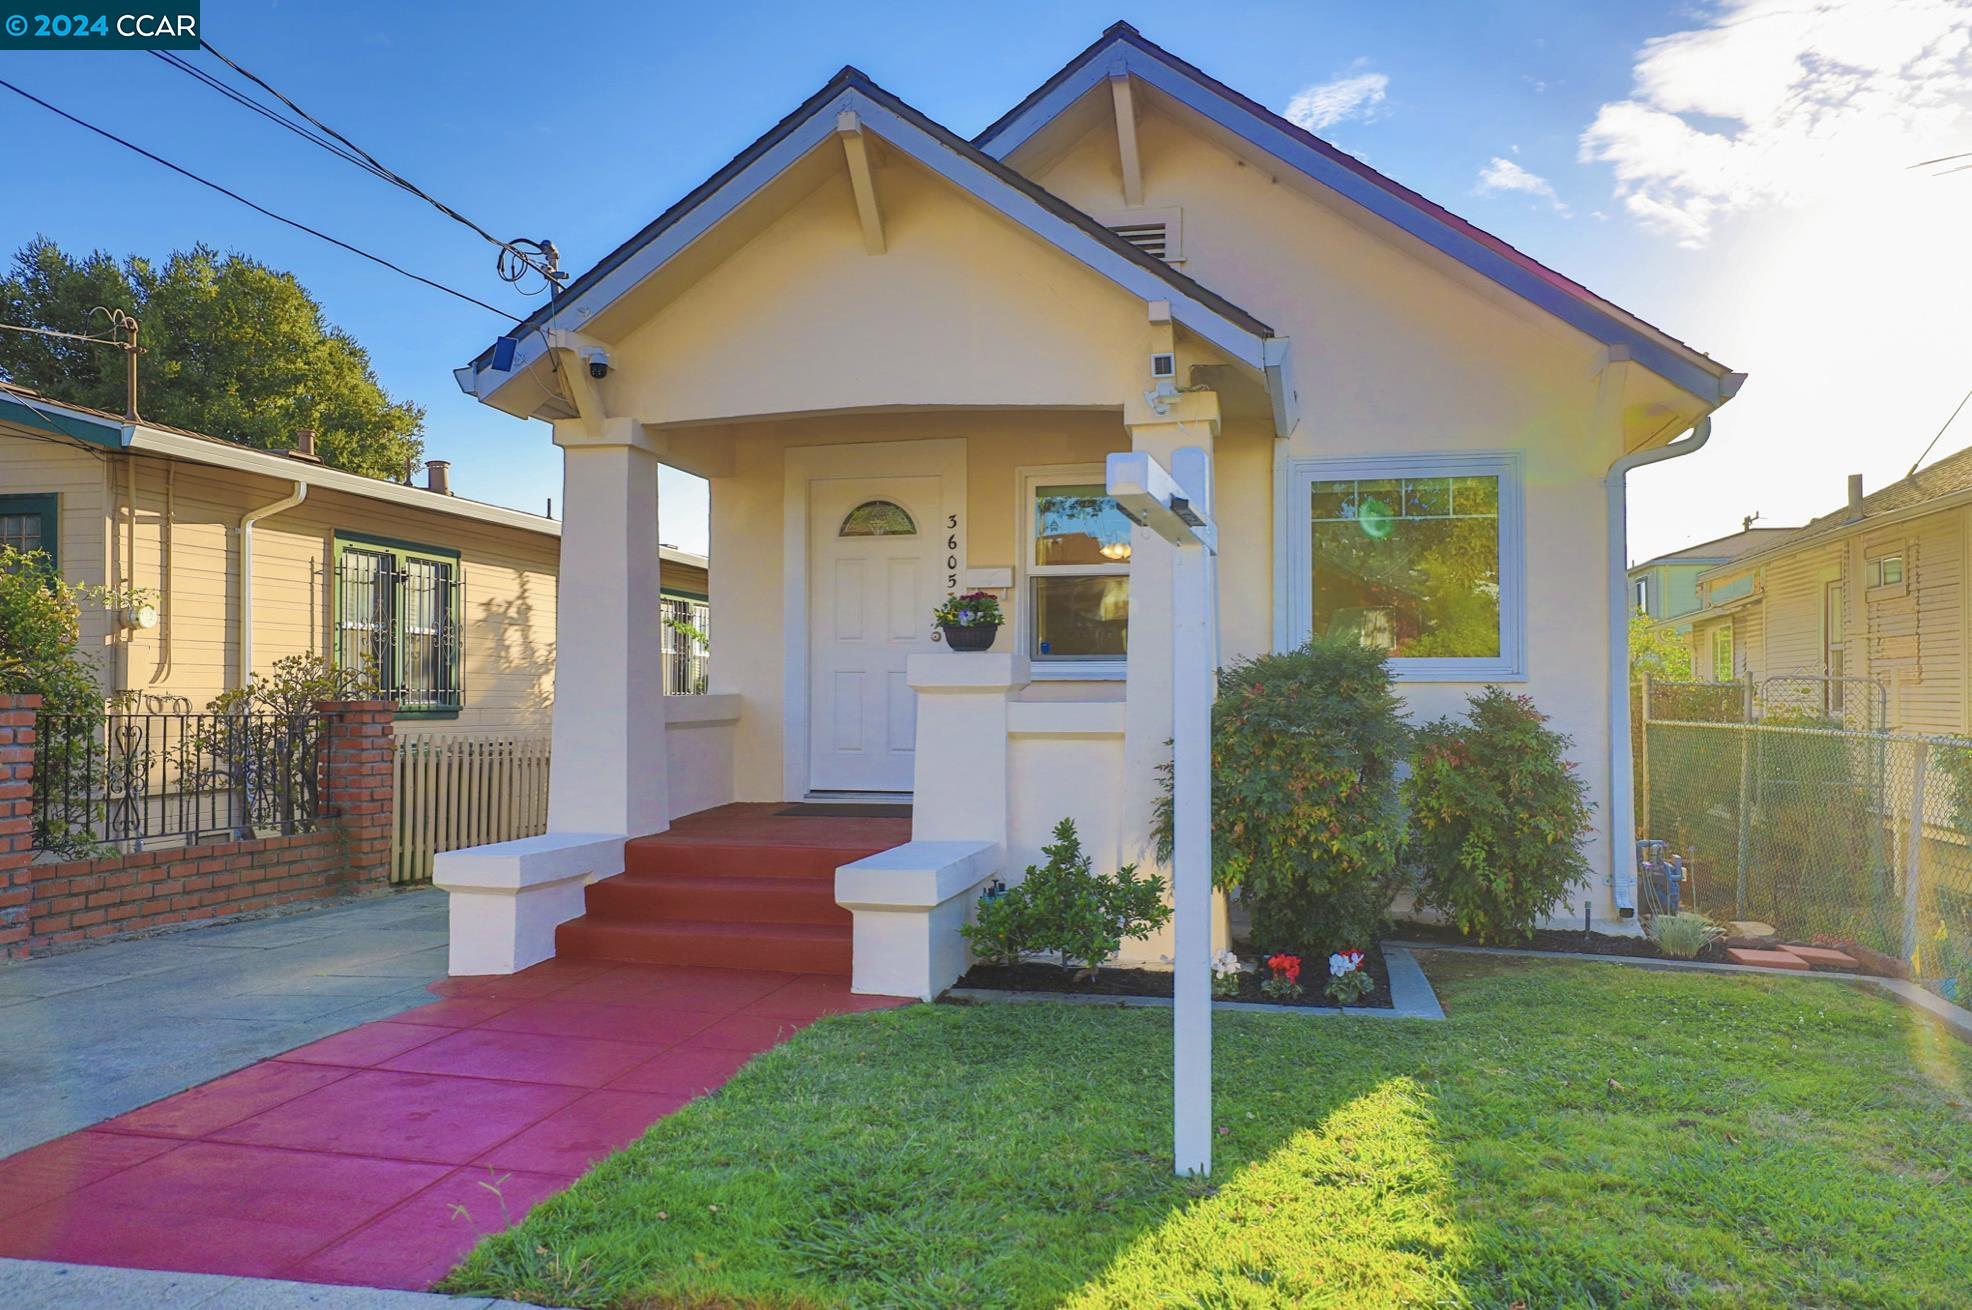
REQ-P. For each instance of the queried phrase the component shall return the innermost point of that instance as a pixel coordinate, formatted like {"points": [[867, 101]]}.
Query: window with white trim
{"points": [[1417, 555], [1722, 670], [1076, 557]]}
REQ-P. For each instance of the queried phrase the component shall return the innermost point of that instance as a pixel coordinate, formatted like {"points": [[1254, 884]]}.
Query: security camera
{"points": [[598, 362]]}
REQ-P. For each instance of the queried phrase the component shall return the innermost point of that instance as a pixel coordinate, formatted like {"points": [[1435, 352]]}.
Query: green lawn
{"points": [[1575, 1135]]}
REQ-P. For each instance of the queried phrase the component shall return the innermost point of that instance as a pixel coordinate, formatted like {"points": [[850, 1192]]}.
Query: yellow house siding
{"points": [[190, 561], [76, 475]]}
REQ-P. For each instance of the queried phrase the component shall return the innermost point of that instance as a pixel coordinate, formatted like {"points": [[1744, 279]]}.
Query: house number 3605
{"points": [[952, 559]]}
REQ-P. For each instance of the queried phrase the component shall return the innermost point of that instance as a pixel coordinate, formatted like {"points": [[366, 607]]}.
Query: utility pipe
{"points": [[247, 520], [1622, 805]]}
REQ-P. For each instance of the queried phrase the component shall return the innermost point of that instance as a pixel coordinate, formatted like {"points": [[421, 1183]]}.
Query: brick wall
{"points": [[47, 903]]}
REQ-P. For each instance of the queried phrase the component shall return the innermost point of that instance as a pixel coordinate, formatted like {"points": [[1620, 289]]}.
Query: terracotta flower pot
{"points": [[970, 639]]}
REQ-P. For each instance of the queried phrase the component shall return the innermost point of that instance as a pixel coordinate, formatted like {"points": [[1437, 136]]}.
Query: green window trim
{"points": [[46, 506], [399, 607]]}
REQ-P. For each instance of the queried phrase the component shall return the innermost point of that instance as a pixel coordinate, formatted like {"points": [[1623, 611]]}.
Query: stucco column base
{"points": [[908, 904], [506, 899], [961, 781]]}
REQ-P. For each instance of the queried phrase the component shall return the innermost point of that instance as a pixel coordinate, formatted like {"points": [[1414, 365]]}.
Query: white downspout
{"points": [[247, 520], [1622, 818]]}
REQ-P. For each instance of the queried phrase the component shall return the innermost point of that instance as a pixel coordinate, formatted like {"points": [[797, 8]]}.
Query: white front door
{"points": [[876, 556]]}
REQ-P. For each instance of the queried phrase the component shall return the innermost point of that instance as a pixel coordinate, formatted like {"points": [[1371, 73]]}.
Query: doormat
{"points": [[835, 810]]}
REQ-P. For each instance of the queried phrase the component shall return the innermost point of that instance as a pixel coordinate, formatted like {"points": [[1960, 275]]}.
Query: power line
{"points": [[257, 208], [517, 257], [248, 102], [1941, 432]]}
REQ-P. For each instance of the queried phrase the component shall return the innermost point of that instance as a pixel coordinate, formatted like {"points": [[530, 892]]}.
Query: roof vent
{"points": [[1150, 236], [1855, 498], [304, 446], [438, 476]]}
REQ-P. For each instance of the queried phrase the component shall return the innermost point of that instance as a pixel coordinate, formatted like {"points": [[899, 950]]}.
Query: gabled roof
{"points": [[1946, 482], [1720, 550], [1123, 49], [1232, 329]]}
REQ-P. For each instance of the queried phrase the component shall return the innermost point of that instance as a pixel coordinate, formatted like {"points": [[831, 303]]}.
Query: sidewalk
{"points": [[95, 1032], [35, 1285]]}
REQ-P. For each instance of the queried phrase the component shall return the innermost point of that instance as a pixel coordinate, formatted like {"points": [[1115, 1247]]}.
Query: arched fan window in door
{"points": [[878, 518]]}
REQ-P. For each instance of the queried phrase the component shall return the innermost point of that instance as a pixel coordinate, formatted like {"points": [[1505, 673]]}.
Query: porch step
{"points": [[788, 947], [672, 856], [724, 898]]}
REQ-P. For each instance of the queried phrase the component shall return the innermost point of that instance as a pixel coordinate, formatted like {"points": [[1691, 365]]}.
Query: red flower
{"points": [[1285, 966]]}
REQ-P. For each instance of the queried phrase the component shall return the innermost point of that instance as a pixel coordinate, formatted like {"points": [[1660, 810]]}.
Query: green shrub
{"points": [[1067, 908], [1497, 817], [1684, 934], [1305, 819], [40, 654]]}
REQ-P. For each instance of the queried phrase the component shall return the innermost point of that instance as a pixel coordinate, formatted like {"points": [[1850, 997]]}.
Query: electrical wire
{"points": [[248, 102], [517, 258], [1941, 432], [61, 422], [257, 208], [66, 336]]}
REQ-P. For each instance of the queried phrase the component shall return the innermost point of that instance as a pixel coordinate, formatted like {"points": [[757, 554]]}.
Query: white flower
{"points": [[1225, 963], [1339, 964]]}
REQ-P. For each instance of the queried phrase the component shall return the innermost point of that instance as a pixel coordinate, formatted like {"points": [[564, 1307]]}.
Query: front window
{"points": [[397, 615], [1078, 575], [27, 523], [1417, 557]]}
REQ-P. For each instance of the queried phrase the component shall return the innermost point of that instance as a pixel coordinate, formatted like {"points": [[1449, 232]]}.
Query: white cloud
{"points": [[1502, 174], [1784, 103], [1324, 104]]}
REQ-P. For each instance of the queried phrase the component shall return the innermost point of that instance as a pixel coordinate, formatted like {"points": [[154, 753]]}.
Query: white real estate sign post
{"points": [[1178, 509]]}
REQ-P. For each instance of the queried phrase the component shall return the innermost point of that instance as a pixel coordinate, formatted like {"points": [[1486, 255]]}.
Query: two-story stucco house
{"points": [[902, 357]]}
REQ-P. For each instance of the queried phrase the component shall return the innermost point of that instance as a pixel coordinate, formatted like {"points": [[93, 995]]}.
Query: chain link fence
{"points": [[1834, 836]]}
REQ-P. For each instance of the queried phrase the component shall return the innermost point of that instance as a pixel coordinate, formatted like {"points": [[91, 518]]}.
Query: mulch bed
{"points": [[1574, 941], [1033, 976]]}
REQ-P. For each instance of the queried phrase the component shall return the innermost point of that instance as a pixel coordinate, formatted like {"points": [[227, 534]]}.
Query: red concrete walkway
{"points": [[350, 1160]]}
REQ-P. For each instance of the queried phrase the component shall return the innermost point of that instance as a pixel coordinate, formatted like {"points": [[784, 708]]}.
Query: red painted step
{"points": [[788, 947], [739, 887], [662, 855], [731, 898]]}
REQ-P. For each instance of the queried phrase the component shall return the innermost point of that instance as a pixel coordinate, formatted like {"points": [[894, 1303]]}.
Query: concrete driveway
{"points": [[102, 1030]]}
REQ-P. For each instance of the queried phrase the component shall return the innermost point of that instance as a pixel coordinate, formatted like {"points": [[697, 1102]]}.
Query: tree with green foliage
{"points": [[1657, 651], [231, 348]]}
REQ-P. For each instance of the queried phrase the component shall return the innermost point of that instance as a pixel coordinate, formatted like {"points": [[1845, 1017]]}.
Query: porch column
{"points": [[1192, 420], [609, 773]]}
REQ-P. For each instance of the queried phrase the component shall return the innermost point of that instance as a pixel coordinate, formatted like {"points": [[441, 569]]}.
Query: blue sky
{"points": [[1733, 172]]}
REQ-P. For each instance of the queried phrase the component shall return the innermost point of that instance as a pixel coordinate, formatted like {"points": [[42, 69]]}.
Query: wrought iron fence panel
{"points": [[127, 781]]}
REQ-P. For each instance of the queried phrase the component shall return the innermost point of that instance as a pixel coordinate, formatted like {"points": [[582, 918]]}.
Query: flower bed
{"points": [[1038, 976]]}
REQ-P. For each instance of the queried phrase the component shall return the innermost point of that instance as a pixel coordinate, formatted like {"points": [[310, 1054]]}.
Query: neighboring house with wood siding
{"points": [[1872, 593], [1666, 587], [249, 555]]}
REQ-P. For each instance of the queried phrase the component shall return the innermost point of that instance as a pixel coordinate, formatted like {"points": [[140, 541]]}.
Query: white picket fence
{"points": [[457, 791]]}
